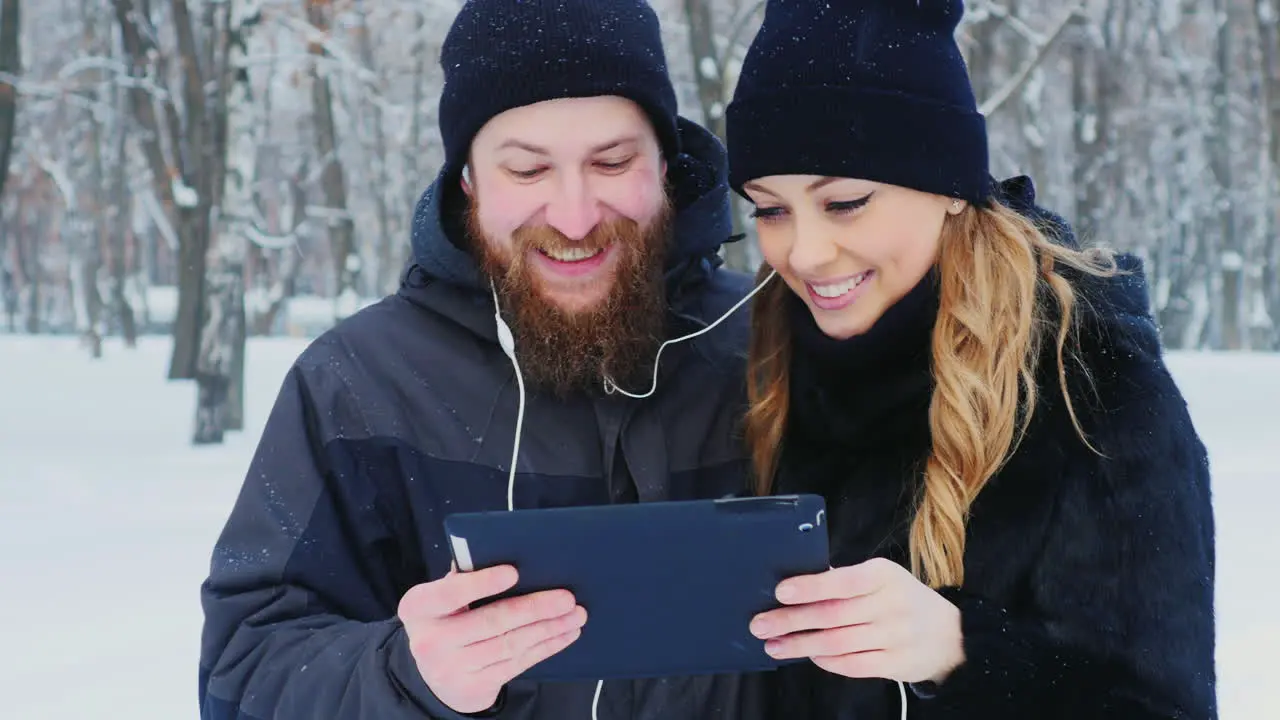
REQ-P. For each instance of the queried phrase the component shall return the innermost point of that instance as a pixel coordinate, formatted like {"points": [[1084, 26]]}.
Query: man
{"points": [[572, 193]]}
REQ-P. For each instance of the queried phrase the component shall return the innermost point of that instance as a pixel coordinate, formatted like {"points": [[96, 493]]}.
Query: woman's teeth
{"points": [[838, 289]]}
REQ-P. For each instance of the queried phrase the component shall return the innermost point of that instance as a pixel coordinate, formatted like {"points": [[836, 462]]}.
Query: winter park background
{"points": [[191, 189]]}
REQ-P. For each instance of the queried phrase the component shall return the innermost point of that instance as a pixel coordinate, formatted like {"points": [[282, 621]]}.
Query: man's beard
{"points": [[564, 351]]}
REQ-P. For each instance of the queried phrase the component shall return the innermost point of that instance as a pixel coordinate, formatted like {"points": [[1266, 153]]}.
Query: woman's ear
{"points": [[956, 206]]}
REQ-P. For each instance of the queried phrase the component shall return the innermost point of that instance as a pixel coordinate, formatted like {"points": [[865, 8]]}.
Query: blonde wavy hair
{"points": [[1002, 294]]}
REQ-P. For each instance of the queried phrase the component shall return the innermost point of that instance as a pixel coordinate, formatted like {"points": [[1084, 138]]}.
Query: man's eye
{"points": [[526, 174]]}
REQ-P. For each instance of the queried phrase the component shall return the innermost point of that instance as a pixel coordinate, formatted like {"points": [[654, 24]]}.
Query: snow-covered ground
{"points": [[107, 516]]}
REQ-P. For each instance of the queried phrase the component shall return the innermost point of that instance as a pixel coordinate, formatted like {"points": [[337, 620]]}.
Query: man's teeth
{"points": [[835, 291], [574, 254]]}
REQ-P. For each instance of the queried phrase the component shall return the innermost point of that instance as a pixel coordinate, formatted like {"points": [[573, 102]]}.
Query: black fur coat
{"points": [[1089, 581]]}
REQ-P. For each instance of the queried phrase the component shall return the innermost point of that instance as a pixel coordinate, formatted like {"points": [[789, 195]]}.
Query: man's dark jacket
{"points": [[405, 413]]}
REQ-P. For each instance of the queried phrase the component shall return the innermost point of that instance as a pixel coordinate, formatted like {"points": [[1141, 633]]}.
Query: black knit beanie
{"points": [[504, 54], [869, 89]]}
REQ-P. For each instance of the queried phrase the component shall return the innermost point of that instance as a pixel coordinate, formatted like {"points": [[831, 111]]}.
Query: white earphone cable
{"points": [[611, 387], [507, 341]]}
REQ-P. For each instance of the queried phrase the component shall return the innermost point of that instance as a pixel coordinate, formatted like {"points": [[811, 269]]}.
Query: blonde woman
{"points": [[1019, 504]]}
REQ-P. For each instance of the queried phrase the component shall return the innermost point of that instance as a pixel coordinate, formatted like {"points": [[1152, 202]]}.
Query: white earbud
{"points": [[505, 338]]}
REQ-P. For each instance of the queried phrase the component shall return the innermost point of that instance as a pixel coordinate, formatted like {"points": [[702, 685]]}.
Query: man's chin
{"points": [[577, 300]]}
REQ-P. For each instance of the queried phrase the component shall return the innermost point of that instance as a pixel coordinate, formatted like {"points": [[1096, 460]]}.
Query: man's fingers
{"points": [[545, 649], [516, 643], [499, 618], [839, 583], [503, 672], [456, 591]]}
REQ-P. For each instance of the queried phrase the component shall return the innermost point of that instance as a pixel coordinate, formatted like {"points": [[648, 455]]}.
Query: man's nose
{"points": [[575, 210]]}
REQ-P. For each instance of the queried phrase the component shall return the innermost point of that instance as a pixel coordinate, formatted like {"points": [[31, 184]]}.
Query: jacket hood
{"points": [[697, 182], [1121, 303]]}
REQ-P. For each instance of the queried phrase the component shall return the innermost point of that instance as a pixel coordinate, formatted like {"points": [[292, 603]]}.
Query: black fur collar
{"points": [[863, 390]]}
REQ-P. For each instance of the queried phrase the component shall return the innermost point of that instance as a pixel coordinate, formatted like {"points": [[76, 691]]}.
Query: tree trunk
{"points": [[92, 299], [1230, 255], [221, 341], [1183, 250], [185, 208], [220, 365], [119, 231], [194, 143], [193, 243], [333, 183], [386, 270], [9, 295], [982, 55], [412, 168], [1029, 110], [1091, 98], [28, 252], [96, 231], [709, 74], [283, 286], [10, 64], [1267, 15]]}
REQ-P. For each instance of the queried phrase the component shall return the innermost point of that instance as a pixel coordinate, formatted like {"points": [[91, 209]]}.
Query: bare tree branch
{"points": [[737, 27], [995, 102]]}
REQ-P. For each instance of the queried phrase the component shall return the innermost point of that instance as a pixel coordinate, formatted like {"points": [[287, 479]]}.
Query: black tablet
{"points": [[669, 587]]}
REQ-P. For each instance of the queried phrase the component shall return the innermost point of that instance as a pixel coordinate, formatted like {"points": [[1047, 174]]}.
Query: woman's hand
{"points": [[869, 620]]}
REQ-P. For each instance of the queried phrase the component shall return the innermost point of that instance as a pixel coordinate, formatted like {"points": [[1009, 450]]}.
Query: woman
{"points": [[1019, 505]]}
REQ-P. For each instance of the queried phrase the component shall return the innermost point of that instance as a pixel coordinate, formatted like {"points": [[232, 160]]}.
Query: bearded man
{"points": [[578, 212]]}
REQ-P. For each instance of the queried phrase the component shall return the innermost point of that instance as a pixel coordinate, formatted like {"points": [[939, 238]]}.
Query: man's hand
{"points": [[466, 656]]}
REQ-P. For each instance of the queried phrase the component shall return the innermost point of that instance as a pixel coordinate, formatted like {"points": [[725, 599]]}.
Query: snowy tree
{"points": [[220, 363], [10, 65], [1151, 126], [179, 143]]}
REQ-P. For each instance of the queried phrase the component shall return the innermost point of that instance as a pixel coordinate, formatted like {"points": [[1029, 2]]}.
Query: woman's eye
{"points": [[767, 213], [847, 206]]}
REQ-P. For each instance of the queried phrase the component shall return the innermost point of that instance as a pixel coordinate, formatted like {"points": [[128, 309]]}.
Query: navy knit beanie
{"points": [[504, 54], [869, 89]]}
